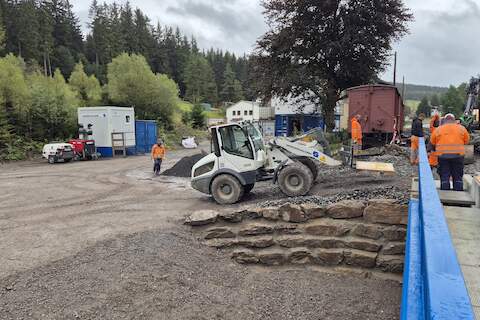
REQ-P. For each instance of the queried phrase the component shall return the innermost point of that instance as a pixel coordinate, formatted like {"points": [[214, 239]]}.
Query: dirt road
{"points": [[102, 240]]}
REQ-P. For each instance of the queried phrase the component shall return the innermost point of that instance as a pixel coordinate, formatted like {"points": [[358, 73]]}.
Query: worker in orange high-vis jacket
{"points": [[158, 154], [356, 133], [434, 123], [449, 141]]}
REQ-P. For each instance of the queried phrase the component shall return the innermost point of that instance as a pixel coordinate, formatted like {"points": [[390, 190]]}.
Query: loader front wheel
{"points": [[295, 180], [226, 189]]}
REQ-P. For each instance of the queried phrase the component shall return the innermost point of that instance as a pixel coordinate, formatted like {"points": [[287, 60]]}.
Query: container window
{"points": [[127, 119]]}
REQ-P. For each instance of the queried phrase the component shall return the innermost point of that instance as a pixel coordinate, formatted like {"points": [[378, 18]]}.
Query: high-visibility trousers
{"points": [[414, 150]]}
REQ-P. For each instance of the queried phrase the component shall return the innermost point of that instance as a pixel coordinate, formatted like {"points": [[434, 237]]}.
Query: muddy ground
{"points": [[103, 240]]}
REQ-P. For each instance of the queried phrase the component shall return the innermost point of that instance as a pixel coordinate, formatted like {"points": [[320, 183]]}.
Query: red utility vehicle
{"points": [[84, 147]]}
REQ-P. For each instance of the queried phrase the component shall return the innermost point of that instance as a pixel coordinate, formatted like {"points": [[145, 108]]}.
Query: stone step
{"points": [[461, 198]]}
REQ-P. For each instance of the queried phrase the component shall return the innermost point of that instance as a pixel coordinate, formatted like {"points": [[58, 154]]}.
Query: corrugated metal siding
{"points": [[284, 123], [146, 135]]}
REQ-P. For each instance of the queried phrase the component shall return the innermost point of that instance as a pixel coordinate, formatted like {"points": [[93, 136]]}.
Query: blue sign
{"points": [[316, 154]]}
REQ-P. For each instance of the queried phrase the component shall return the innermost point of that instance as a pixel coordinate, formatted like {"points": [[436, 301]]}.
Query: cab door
{"points": [[236, 149]]}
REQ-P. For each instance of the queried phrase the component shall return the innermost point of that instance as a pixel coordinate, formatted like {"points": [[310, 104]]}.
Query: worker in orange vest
{"points": [[434, 123], [417, 133], [158, 154], [449, 141], [356, 133]]}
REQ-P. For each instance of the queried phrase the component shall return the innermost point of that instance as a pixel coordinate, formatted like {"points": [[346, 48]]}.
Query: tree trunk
{"points": [[329, 109]]}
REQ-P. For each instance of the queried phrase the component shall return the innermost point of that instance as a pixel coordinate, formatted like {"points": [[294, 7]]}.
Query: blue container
{"points": [[285, 124], [145, 135]]}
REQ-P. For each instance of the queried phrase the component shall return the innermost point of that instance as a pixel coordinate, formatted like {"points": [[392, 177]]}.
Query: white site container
{"points": [[107, 120]]}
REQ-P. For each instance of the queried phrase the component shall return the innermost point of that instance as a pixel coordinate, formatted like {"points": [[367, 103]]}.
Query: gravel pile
{"points": [[387, 192], [183, 167]]}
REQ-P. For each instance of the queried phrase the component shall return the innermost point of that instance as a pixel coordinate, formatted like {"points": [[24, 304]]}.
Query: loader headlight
{"points": [[204, 169]]}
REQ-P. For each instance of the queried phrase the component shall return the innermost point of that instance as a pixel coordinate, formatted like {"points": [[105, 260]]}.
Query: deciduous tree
{"points": [[325, 47]]}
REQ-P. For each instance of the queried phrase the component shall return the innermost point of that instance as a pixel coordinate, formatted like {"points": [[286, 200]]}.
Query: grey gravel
{"points": [[169, 275]]}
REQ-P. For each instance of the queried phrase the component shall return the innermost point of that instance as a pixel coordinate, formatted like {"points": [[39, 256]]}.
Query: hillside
{"points": [[417, 92]]}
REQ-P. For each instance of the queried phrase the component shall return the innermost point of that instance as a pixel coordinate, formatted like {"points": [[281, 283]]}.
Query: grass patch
{"points": [[412, 104]]}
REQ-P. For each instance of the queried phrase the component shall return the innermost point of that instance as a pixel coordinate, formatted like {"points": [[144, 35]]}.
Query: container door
{"points": [[281, 126], [151, 135], [140, 136]]}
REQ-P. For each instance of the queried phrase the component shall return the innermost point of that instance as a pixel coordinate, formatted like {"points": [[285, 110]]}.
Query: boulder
{"points": [[251, 213], [309, 241], [233, 217], [390, 263], [244, 256], [364, 245], [271, 258], [360, 259], [255, 229], [313, 211], [328, 257], [394, 248], [300, 256], [395, 233], [287, 229], [292, 213], [346, 209], [322, 228], [368, 231], [201, 217], [270, 213], [256, 242], [386, 212], [219, 233]]}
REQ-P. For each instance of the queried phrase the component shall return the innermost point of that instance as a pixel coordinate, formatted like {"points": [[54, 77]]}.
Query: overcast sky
{"points": [[442, 48]]}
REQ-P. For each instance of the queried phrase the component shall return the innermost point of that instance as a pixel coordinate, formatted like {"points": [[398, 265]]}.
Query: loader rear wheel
{"points": [[226, 189], [295, 180]]}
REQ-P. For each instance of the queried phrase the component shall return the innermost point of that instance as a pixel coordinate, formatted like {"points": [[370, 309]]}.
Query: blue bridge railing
{"points": [[433, 283]]}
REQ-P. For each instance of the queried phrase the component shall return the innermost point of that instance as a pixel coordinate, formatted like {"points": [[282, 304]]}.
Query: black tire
{"points": [[52, 159], [67, 160], [248, 187], [226, 189], [295, 180], [310, 164]]}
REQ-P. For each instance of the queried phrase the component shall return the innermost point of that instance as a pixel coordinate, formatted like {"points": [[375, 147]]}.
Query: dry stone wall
{"points": [[367, 235]]}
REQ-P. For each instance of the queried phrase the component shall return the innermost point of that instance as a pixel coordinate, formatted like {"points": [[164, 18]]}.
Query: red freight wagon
{"points": [[381, 108]]}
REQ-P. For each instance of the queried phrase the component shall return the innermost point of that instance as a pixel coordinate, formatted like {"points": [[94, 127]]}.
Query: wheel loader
{"points": [[240, 158]]}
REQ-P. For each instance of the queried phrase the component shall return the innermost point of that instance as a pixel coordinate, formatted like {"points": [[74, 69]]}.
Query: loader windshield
{"points": [[235, 141]]}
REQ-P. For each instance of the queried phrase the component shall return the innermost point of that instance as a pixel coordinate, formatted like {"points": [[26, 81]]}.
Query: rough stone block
{"points": [[299, 256], [322, 228], [381, 201], [395, 233], [368, 231], [201, 218], [244, 256], [346, 209], [360, 259], [364, 245], [287, 229], [222, 243], [313, 211], [270, 213], [328, 257], [271, 258], [390, 263], [386, 213], [393, 248], [233, 217], [251, 213], [255, 229], [219, 233], [309, 242], [257, 242], [292, 213]]}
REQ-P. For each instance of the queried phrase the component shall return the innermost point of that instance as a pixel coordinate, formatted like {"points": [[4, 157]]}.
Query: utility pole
{"points": [[395, 69]]}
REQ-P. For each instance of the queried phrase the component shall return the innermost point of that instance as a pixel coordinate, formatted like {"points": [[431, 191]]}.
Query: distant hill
{"points": [[417, 92]]}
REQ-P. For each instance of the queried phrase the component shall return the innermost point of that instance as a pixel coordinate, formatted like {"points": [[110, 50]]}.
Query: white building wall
{"points": [[291, 105], [243, 111]]}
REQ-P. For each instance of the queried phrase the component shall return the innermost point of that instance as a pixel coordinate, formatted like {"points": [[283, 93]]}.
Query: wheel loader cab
{"points": [[231, 169]]}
